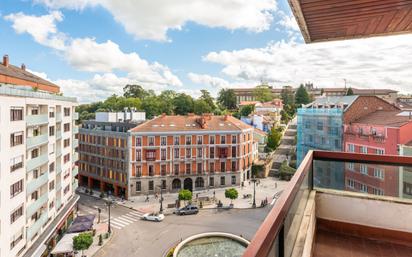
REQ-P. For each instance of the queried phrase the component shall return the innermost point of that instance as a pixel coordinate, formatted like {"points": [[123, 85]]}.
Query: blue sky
{"points": [[97, 46]]}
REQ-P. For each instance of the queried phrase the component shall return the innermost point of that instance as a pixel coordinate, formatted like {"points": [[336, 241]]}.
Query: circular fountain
{"points": [[214, 244]]}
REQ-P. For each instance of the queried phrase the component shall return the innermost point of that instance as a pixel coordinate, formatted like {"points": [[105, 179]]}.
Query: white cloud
{"points": [[41, 28], [208, 80], [289, 22], [148, 19], [366, 63]]}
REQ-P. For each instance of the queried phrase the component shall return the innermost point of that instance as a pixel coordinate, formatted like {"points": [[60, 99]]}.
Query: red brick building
{"points": [[190, 152]]}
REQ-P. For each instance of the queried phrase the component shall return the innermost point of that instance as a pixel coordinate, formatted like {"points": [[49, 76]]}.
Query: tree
{"points": [[227, 98], [201, 106], [246, 110], [82, 241], [285, 117], [263, 93], [274, 137], [350, 91], [302, 96], [286, 172], [185, 195], [166, 98], [232, 194], [152, 106], [183, 104], [287, 96], [205, 95], [135, 91]]}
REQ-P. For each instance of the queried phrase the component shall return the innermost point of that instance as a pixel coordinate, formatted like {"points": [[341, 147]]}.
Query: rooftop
{"points": [[344, 101], [165, 123], [23, 91], [385, 118]]}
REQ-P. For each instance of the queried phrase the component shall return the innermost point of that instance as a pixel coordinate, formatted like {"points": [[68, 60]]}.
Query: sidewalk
{"points": [[265, 190]]}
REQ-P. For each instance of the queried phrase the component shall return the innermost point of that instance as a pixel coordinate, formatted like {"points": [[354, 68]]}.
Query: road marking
{"points": [[138, 214], [121, 222], [117, 223], [124, 219], [114, 226], [131, 217]]}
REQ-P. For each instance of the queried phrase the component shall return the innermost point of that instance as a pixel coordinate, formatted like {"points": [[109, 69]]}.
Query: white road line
{"points": [[114, 226], [124, 219], [121, 222], [136, 214], [117, 223], [130, 217]]}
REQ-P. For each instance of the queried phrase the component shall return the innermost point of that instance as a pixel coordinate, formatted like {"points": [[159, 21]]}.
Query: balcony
{"points": [[36, 162], [58, 151], [36, 226], [58, 117], [36, 120], [75, 143], [75, 116], [37, 141], [58, 168], [75, 171], [34, 184], [58, 135], [327, 211], [33, 207], [75, 157], [75, 184], [75, 129], [58, 186]]}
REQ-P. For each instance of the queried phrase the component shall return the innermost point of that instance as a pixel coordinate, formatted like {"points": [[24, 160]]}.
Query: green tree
{"points": [[285, 117], [302, 96], [201, 106], [287, 96], [205, 95], [286, 172], [152, 106], [246, 110], [185, 195], [232, 194], [166, 98], [135, 91], [227, 98], [350, 91], [274, 138], [82, 241], [183, 104], [263, 93]]}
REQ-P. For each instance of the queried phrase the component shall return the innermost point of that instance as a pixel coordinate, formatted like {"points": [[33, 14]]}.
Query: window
{"points": [[212, 181], [233, 180], [378, 173], [363, 149], [199, 152], [66, 158], [66, 127], [222, 181], [319, 125], [223, 139], [51, 131], [51, 167], [138, 155], [199, 168], [16, 238], [351, 166], [199, 140], [351, 148], [138, 141], [151, 185], [150, 155], [16, 163], [233, 166], [351, 183], [233, 139], [176, 140], [151, 170], [66, 142], [377, 191], [35, 195], [16, 188], [17, 213], [51, 185], [380, 151], [163, 154], [51, 112], [176, 152], [151, 141], [163, 141], [16, 138], [212, 167], [176, 169], [34, 111], [363, 188], [138, 171], [212, 152], [188, 168], [222, 167], [34, 153], [138, 186], [188, 140], [66, 189], [212, 140], [188, 152], [163, 184], [364, 169], [66, 111], [233, 151], [163, 170], [16, 113], [337, 143]]}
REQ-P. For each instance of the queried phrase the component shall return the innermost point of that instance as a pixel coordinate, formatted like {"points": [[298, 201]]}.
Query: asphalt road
{"points": [[134, 237]]}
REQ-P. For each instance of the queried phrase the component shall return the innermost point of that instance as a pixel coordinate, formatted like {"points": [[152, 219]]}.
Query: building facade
{"points": [[190, 152]]}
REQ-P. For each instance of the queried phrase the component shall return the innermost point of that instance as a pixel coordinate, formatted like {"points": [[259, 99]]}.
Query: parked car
{"points": [[187, 210], [153, 217]]}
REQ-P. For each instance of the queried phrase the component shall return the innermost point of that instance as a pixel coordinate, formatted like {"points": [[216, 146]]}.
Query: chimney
{"points": [[6, 60], [23, 66]]}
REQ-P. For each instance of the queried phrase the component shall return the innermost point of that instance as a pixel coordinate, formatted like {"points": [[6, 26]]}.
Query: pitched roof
{"points": [[385, 118], [260, 132], [345, 101], [172, 123]]}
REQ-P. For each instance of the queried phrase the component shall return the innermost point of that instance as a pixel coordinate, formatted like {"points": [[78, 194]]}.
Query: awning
{"points": [[81, 224], [65, 245]]}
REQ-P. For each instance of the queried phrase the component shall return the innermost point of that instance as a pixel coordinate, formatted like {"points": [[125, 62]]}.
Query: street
{"points": [[134, 237]]}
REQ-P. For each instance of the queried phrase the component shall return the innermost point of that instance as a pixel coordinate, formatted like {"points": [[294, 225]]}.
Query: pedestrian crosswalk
{"points": [[125, 219]]}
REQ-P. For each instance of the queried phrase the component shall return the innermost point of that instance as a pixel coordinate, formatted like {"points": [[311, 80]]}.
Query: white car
{"points": [[153, 217]]}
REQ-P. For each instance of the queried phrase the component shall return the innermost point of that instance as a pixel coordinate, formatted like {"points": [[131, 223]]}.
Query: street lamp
{"points": [[161, 199], [254, 192], [109, 204]]}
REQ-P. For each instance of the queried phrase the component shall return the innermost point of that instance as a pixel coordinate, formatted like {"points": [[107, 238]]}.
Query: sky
{"points": [[93, 48]]}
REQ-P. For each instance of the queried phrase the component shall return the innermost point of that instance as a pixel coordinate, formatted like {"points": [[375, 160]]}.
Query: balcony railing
{"points": [[58, 134], [58, 168], [75, 116], [323, 171], [75, 157], [75, 129], [34, 120], [36, 226], [75, 143], [32, 208], [37, 141], [58, 117], [36, 162], [34, 184], [75, 171]]}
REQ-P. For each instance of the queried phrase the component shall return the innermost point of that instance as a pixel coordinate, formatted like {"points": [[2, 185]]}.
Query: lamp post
{"points": [[254, 192], [109, 204]]}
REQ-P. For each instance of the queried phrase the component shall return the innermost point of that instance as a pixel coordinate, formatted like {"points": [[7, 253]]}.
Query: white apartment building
{"points": [[37, 163]]}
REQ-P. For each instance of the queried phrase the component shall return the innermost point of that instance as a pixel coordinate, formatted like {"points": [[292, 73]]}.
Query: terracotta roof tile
{"points": [[385, 118]]}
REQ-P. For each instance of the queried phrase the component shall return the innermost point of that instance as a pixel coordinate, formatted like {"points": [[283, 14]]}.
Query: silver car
{"points": [[187, 210]]}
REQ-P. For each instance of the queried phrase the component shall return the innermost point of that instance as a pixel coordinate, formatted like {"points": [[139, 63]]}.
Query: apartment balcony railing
{"points": [[58, 117], [34, 184], [75, 171], [58, 151], [58, 202], [36, 226], [324, 174], [35, 120], [75, 157], [75, 116], [58, 169], [75, 184], [75, 143], [36, 162], [32, 208], [58, 134], [37, 141], [75, 129]]}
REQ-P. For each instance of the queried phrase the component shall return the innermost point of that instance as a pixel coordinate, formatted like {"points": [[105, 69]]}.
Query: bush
{"points": [[256, 169], [82, 241], [286, 172], [292, 164], [106, 235], [100, 239]]}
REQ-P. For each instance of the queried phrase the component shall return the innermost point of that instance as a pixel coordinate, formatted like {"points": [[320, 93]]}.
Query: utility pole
{"points": [[109, 204], [254, 192]]}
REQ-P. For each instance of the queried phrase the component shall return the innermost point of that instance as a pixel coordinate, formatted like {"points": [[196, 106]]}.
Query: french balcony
{"points": [[36, 226], [36, 120], [327, 210], [36, 162], [34, 184], [33, 207], [75, 116], [37, 141]]}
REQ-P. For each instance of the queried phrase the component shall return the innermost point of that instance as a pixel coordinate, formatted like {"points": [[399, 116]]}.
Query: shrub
{"points": [[231, 193], [286, 172], [82, 241]]}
